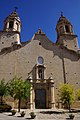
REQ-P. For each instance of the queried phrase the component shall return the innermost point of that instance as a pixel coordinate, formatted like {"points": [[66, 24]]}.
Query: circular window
{"points": [[40, 60]]}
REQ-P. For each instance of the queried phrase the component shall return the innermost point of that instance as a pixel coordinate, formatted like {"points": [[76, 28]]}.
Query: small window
{"points": [[11, 24], [40, 60], [67, 28], [76, 82], [39, 43], [40, 73], [12, 43], [2, 42]]}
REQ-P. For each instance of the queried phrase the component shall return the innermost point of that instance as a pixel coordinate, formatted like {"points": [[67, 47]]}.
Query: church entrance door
{"points": [[40, 99]]}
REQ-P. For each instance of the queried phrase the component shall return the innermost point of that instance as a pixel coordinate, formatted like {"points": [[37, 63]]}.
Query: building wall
{"points": [[72, 69], [21, 62], [69, 41], [7, 39]]}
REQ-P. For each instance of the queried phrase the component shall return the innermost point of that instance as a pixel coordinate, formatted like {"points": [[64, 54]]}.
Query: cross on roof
{"points": [[15, 8], [61, 13]]}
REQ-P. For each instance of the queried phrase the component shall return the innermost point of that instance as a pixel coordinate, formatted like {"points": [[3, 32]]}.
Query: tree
{"points": [[19, 89], [3, 89], [78, 94], [67, 95]]}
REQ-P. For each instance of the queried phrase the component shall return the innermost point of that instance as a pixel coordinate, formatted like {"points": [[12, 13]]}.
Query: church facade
{"points": [[46, 64]]}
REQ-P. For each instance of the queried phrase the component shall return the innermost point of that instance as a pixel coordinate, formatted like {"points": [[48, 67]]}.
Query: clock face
{"points": [[40, 60]]}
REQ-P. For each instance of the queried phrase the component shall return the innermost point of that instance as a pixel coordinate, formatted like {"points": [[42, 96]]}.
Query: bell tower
{"points": [[10, 35], [12, 22], [65, 34], [12, 27]]}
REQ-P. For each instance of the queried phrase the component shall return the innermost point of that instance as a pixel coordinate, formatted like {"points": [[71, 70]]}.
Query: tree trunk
{"points": [[19, 104], [1, 100], [69, 107]]}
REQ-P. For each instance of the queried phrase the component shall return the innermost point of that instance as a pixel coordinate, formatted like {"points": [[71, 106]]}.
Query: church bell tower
{"points": [[65, 34], [12, 22], [12, 27]]}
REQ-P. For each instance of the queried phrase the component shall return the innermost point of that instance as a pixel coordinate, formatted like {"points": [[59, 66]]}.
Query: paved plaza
{"points": [[40, 115]]}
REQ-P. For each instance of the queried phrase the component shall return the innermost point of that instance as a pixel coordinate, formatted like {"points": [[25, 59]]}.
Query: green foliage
{"points": [[3, 89], [19, 89], [13, 112], [33, 115], [78, 94], [5, 108], [67, 94], [22, 114], [71, 116]]}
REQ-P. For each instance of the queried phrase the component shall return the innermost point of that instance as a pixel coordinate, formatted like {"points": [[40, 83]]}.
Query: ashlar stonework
{"points": [[46, 64]]}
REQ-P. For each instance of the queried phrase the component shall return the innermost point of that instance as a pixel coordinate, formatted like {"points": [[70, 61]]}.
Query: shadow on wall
{"points": [[58, 50]]}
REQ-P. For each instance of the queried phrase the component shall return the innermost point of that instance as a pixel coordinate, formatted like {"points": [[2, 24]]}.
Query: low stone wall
{"points": [[76, 104], [14, 103]]}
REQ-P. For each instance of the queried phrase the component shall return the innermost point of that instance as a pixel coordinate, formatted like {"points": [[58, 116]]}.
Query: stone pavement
{"points": [[40, 115]]}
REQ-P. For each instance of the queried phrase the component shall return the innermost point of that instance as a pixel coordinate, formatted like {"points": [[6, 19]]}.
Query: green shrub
{"points": [[13, 112], [5, 108], [22, 114], [71, 116], [33, 115]]}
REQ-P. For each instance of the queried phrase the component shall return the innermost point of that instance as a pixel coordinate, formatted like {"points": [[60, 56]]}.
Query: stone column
{"points": [[19, 27], [7, 25], [52, 93], [14, 25], [64, 29], [60, 105], [32, 104]]}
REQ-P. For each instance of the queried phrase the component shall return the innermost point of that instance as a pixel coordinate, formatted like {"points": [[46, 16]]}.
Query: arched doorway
{"points": [[40, 98]]}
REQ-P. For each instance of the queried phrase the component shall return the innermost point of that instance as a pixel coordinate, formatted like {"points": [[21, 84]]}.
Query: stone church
{"points": [[46, 64]]}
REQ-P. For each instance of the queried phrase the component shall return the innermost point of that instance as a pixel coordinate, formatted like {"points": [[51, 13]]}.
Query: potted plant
{"points": [[33, 115], [71, 116], [22, 114], [13, 112]]}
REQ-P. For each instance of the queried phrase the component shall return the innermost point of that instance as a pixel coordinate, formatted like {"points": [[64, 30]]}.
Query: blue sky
{"points": [[42, 14]]}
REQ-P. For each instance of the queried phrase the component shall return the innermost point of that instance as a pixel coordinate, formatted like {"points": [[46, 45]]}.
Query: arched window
{"points": [[11, 24], [67, 28]]}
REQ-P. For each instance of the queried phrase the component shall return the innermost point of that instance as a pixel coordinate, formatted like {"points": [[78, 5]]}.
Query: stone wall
{"points": [[59, 62]]}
